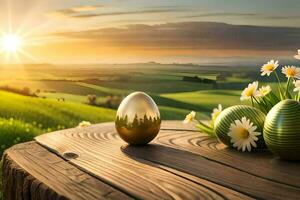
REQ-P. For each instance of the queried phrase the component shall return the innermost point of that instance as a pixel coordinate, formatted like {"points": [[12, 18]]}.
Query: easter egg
{"points": [[230, 115], [138, 119], [282, 130]]}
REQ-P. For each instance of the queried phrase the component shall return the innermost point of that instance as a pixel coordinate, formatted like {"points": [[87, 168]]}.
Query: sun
{"points": [[12, 47], [11, 43]]}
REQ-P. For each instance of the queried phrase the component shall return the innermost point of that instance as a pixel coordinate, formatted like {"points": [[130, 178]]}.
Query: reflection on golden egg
{"points": [[138, 119]]}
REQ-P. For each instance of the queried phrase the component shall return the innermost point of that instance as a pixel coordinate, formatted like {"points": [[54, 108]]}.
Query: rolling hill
{"points": [[22, 117]]}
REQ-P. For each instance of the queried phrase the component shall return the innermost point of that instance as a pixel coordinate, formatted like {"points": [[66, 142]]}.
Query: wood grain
{"points": [[32, 172], [99, 154], [261, 164], [180, 163]]}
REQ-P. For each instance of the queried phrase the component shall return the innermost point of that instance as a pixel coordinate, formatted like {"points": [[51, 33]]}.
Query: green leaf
{"points": [[289, 96], [273, 99]]}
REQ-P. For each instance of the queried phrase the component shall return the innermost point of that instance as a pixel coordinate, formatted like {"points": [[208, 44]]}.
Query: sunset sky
{"points": [[122, 31]]}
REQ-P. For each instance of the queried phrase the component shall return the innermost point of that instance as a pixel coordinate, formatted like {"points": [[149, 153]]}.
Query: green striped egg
{"points": [[229, 115], [282, 130]]}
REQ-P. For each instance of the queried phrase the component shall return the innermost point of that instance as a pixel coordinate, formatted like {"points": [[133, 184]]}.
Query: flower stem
{"points": [[280, 86], [252, 101], [205, 125], [265, 102], [287, 87]]}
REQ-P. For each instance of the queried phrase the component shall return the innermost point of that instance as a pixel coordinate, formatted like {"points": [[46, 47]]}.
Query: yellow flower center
{"points": [[249, 92], [264, 91], [269, 67], [243, 133], [291, 72]]}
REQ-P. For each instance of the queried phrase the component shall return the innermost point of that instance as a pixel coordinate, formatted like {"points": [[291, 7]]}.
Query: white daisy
{"points": [[264, 90], [269, 67], [297, 86], [190, 117], [291, 72], [250, 91], [297, 56], [84, 124], [243, 135], [216, 112]]}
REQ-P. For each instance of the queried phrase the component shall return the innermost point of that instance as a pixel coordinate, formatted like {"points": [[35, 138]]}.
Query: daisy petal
{"points": [[248, 146]]}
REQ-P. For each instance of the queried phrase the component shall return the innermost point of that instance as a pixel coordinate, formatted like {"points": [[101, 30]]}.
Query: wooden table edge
{"points": [[22, 182]]}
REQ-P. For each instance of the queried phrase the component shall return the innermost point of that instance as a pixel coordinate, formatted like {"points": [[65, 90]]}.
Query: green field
{"points": [[207, 99], [25, 117]]}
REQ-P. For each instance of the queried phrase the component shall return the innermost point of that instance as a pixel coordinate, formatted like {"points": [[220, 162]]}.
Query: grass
{"points": [[1, 195], [104, 90], [66, 96], [157, 86], [207, 99], [49, 113], [22, 118], [167, 112], [178, 113], [12, 132], [15, 131]]}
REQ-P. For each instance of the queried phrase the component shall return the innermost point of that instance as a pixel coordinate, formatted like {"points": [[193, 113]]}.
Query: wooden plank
{"points": [[261, 164], [32, 172], [198, 166], [99, 154]]}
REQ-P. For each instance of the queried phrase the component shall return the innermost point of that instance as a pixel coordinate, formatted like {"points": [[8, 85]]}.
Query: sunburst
{"points": [[12, 46], [11, 43]]}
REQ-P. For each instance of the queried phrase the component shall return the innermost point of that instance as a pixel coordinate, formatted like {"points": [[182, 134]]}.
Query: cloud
{"points": [[222, 14], [285, 17], [86, 8], [233, 14], [69, 12], [126, 13], [192, 36], [91, 11]]}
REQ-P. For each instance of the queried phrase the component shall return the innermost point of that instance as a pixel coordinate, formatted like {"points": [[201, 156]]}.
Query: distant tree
{"points": [[92, 99], [26, 91], [111, 101]]}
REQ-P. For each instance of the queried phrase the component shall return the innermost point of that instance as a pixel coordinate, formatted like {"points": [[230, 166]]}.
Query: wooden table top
{"points": [[181, 163]]}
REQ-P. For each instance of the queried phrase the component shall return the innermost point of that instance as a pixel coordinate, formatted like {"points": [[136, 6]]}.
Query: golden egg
{"points": [[138, 119]]}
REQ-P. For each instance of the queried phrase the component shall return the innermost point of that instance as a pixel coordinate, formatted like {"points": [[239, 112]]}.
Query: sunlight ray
{"points": [[28, 55]]}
